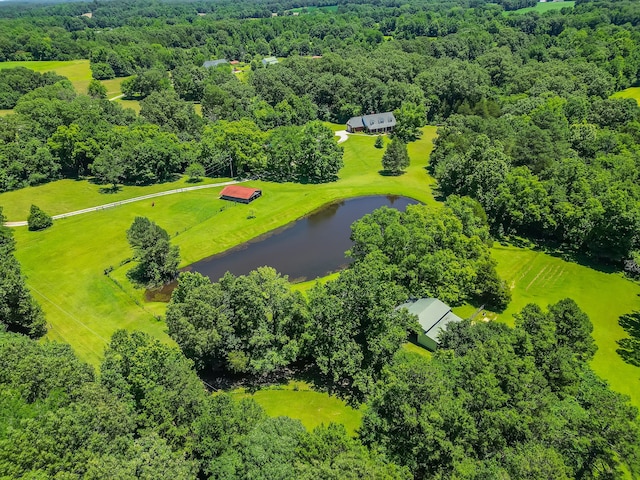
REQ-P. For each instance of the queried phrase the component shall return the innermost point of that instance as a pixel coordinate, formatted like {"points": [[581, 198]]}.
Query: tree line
{"points": [[56, 133]]}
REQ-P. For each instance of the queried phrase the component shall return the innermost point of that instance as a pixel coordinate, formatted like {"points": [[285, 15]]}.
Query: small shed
{"points": [[214, 63], [269, 61], [433, 317], [236, 193], [374, 123]]}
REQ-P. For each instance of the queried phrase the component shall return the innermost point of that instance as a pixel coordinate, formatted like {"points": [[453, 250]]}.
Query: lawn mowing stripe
{"points": [[523, 270], [549, 277], [536, 277]]}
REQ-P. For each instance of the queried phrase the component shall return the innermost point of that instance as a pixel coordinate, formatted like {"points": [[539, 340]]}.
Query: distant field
{"points": [[536, 277], [542, 7], [631, 92], [310, 407], [77, 71], [328, 8]]}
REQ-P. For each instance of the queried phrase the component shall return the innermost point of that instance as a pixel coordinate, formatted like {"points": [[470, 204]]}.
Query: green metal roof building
{"points": [[433, 316]]}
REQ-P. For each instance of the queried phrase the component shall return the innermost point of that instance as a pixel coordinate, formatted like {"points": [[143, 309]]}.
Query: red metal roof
{"points": [[237, 191]]}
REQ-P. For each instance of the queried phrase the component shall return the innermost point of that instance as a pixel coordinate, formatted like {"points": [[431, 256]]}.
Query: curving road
{"points": [[130, 200]]}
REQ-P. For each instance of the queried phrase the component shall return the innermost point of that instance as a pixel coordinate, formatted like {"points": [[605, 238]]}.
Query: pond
{"points": [[311, 247]]}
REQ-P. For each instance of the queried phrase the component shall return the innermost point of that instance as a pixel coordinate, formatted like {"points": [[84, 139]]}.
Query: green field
{"points": [[297, 400], [536, 277], [77, 71], [631, 92], [65, 264], [327, 8], [542, 7]]}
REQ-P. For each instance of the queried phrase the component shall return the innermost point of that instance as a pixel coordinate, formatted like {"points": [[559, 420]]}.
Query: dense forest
{"points": [[530, 144]]}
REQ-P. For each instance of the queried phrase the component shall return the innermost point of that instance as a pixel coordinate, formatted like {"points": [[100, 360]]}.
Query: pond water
{"points": [[311, 247]]}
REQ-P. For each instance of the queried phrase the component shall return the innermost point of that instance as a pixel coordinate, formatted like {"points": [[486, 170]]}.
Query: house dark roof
{"points": [[433, 315], [236, 191], [375, 121], [214, 63]]}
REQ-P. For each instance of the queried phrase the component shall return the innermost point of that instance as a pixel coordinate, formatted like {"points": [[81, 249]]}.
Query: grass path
{"points": [[64, 265], [63, 196]]}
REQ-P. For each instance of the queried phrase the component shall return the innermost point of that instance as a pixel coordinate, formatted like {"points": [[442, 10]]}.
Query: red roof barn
{"points": [[237, 193]]}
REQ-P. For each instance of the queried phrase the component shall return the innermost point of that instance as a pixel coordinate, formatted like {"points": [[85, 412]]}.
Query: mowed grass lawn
{"points": [[297, 400], [64, 265], [536, 277]]}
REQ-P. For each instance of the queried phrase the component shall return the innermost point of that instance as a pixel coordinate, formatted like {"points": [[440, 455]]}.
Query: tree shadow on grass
{"points": [[110, 189], [630, 347], [390, 173]]}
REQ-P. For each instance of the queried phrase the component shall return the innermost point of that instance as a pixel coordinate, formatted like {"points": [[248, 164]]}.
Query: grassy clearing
{"points": [[5, 112], [113, 86], [543, 7], [64, 265], [536, 277], [631, 92], [77, 71], [297, 400], [132, 104]]}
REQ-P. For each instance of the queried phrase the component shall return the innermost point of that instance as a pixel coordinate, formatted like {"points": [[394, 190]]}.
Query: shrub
{"points": [[38, 220], [195, 172]]}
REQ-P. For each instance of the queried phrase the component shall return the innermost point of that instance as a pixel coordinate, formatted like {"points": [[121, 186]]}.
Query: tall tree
{"points": [[158, 260], [396, 157]]}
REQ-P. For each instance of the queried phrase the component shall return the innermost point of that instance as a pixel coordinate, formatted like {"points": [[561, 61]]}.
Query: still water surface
{"points": [[311, 247]]}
